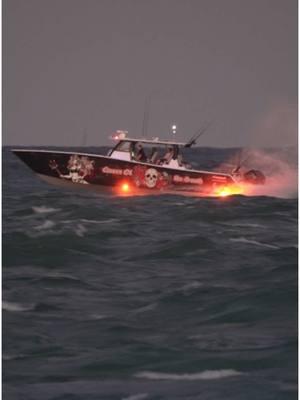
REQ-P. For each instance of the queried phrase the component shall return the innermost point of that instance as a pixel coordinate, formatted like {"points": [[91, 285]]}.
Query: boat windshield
{"points": [[151, 153], [123, 146]]}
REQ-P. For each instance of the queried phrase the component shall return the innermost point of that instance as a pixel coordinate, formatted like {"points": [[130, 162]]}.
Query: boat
{"points": [[129, 170]]}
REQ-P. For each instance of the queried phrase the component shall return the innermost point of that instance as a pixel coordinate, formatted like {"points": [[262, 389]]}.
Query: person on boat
{"points": [[182, 162], [168, 156], [140, 153], [153, 156]]}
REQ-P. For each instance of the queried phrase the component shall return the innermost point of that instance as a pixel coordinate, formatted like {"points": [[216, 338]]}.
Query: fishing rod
{"points": [[199, 133]]}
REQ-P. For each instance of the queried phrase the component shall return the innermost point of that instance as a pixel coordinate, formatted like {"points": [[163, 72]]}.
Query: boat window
{"points": [[123, 146]]}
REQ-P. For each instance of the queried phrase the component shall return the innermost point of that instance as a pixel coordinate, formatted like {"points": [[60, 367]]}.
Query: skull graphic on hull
{"points": [[151, 176]]}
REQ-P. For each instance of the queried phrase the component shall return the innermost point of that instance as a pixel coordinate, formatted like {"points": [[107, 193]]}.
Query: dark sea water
{"points": [[162, 297]]}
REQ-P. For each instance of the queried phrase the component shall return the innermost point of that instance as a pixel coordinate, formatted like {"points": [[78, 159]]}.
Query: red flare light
{"points": [[125, 187]]}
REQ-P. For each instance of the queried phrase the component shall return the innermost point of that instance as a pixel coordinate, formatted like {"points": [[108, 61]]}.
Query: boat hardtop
{"points": [[131, 149]]}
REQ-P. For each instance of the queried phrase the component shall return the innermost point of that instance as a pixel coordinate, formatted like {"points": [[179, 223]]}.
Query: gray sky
{"points": [[76, 65]]}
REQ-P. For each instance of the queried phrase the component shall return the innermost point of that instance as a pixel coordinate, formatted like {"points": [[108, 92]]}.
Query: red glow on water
{"points": [[228, 190]]}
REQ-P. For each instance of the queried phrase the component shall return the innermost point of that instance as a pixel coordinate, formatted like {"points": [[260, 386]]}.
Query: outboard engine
{"points": [[255, 177]]}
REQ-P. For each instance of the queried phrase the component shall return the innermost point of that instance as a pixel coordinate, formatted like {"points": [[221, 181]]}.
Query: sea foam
{"points": [[250, 241], [48, 224], [204, 375], [16, 307], [44, 209], [138, 396]]}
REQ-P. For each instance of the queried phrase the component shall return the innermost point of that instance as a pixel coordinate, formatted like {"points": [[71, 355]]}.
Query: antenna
{"points": [[146, 116]]}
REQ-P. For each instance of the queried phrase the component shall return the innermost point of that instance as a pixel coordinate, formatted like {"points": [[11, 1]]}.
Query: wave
{"points": [[96, 317], [191, 286], [16, 307], [204, 375], [58, 276], [250, 241], [244, 225], [80, 230], [149, 307], [138, 396], [49, 227], [9, 357], [48, 224], [104, 221], [44, 209]]}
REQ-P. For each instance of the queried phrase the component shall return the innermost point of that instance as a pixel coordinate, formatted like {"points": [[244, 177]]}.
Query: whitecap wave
{"points": [[80, 230], [44, 209], [16, 307], [104, 221], [59, 275], [48, 224], [191, 286], [96, 317], [138, 396], [149, 307], [8, 357], [255, 242], [204, 375], [245, 225]]}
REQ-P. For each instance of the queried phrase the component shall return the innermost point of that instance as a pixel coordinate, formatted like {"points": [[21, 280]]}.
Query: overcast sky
{"points": [[75, 66]]}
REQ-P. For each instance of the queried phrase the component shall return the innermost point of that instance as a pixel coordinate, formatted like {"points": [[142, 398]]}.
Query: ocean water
{"points": [[157, 297]]}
